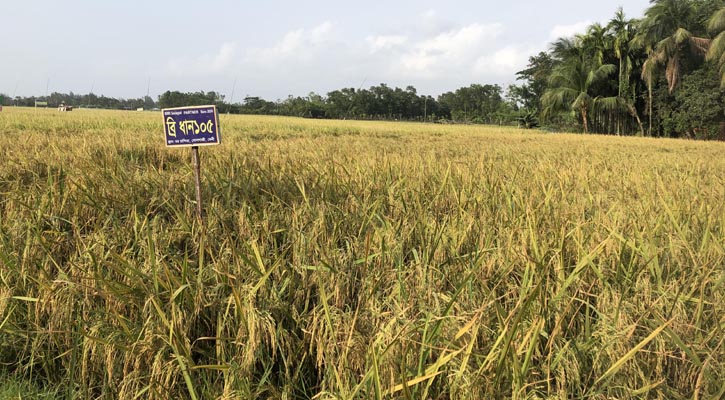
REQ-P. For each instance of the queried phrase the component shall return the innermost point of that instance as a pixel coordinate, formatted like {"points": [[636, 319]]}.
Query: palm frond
{"points": [[559, 77], [564, 48], [648, 70], [716, 24], [583, 100], [699, 45], [721, 69], [610, 104], [681, 36], [672, 73], [628, 65], [558, 98], [639, 41], [665, 48], [619, 22], [600, 73], [717, 47]]}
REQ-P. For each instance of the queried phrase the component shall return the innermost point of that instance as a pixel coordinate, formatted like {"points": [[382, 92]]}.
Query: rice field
{"points": [[357, 260]]}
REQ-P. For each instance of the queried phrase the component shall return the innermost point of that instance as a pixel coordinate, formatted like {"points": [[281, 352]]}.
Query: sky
{"points": [[274, 48]]}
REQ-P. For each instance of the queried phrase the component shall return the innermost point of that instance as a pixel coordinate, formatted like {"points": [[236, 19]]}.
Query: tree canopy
{"points": [[668, 66]]}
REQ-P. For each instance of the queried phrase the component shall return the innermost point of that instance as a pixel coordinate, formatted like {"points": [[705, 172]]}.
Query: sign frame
{"points": [[196, 124]]}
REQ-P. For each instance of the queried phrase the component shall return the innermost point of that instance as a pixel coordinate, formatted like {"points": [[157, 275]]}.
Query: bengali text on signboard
{"points": [[191, 126]]}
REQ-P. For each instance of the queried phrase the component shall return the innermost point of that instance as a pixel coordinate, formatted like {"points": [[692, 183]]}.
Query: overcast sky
{"points": [[276, 48]]}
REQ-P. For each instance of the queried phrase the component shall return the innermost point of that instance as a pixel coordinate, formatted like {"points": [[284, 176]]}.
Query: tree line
{"points": [[475, 104], [660, 75], [89, 100]]}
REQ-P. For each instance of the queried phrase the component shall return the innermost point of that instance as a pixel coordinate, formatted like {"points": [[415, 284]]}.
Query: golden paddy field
{"points": [[357, 260]]}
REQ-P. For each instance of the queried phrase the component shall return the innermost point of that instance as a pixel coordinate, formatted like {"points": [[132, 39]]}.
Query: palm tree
{"points": [[666, 35], [666, 32], [565, 48], [596, 41], [717, 47], [623, 31], [572, 80], [648, 73], [716, 25]]}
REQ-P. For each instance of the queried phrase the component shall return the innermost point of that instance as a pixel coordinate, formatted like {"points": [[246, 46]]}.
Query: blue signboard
{"points": [[191, 126]]}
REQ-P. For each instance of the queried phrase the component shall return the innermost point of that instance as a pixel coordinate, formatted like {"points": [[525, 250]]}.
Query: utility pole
{"points": [[425, 108], [148, 91], [231, 99], [93, 84]]}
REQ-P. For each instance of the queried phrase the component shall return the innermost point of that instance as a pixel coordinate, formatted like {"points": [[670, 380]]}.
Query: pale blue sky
{"points": [[276, 48]]}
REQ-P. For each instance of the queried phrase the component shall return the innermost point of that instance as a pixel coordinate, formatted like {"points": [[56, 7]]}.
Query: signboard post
{"points": [[192, 127], [197, 179]]}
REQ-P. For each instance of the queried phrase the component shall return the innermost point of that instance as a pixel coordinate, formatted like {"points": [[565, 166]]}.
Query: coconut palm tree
{"points": [[565, 48], [666, 32], [596, 42], [666, 35], [622, 31], [571, 82], [648, 73], [716, 53]]}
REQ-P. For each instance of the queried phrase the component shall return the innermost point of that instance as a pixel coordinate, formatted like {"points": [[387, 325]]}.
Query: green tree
{"points": [[178, 99], [669, 31], [475, 103], [340, 103], [673, 35], [535, 78], [596, 42], [623, 31], [572, 81], [716, 53], [697, 108]]}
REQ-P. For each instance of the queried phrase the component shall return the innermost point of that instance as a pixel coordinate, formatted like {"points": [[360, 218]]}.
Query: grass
{"points": [[13, 389], [345, 259]]}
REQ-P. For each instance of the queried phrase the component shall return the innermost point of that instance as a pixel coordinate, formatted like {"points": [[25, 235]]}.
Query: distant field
{"points": [[347, 259]]}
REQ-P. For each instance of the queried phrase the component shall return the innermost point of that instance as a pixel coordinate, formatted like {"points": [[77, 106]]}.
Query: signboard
{"points": [[41, 103], [191, 126]]}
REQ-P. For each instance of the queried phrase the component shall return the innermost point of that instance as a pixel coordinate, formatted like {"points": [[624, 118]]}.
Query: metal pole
{"points": [[197, 179], [425, 109], [231, 99]]}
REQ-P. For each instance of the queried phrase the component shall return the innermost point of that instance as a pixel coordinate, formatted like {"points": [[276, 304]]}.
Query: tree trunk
{"points": [[649, 105], [584, 119], [633, 112], [619, 94]]}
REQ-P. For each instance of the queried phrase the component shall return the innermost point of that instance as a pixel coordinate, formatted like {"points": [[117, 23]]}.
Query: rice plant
{"points": [[345, 260]]}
